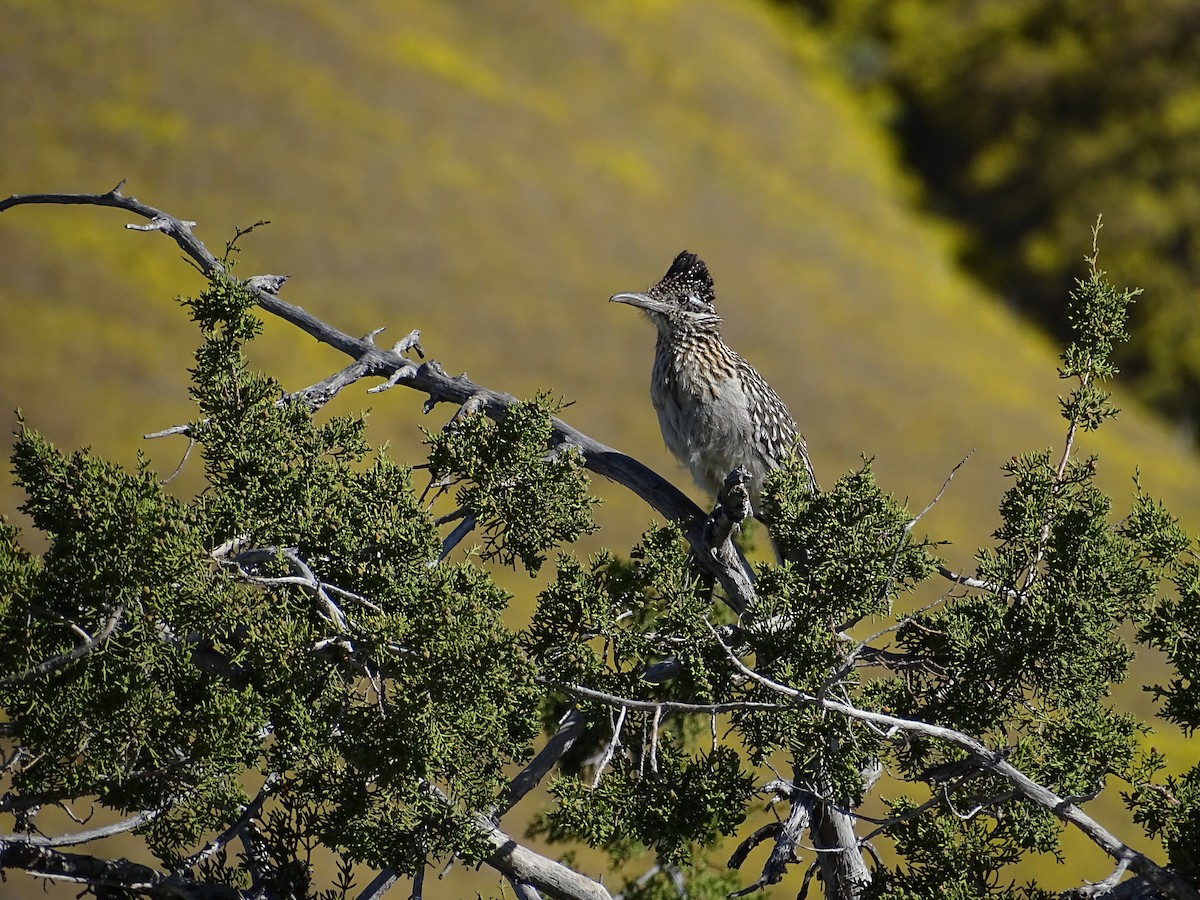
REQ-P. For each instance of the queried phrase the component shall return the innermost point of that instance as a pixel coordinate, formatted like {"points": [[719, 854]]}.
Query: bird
{"points": [[714, 409]]}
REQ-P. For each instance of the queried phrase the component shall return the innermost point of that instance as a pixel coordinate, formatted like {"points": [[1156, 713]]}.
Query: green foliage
{"points": [[1174, 628], [597, 626], [949, 857], [1034, 657], [662, 800], [1026, 117], [526, 500], [289, 619], [848, 551], [700, 883], [1171, 812]]}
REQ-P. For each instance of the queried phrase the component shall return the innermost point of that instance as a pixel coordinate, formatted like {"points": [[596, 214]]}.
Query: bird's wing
{"points": [[776, 434]]}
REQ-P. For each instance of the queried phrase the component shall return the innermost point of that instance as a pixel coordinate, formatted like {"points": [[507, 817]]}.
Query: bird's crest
{"points": [[687, 282]]}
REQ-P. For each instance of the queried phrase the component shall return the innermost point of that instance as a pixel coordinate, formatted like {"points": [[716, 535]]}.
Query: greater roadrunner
{"points": [[716, 412]]}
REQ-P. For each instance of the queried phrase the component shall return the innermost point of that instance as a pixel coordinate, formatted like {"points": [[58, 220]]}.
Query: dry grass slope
{"points": [[490, 174]]}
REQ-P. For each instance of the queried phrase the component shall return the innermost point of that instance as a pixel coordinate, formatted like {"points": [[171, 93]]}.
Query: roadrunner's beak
{"points": [[640, 300]]}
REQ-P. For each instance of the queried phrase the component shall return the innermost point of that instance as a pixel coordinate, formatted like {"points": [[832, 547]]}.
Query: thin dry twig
{"points": [[610, 749], [88, 644]]}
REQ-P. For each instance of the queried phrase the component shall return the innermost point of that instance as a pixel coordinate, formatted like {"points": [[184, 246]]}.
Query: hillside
{"points": [[491, 174]]}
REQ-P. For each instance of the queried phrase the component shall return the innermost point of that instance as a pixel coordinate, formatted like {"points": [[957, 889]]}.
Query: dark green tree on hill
{"points": [[1024, 117], [301, 662]]}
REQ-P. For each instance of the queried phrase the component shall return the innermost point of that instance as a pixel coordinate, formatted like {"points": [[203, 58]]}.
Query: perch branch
{"points": [[723, 564]]}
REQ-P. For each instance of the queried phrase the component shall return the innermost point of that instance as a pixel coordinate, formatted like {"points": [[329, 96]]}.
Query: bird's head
{"points": [[681, 301]]}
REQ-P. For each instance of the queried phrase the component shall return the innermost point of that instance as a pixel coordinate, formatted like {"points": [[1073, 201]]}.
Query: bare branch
{"points": [[783, 854], [839, 852], [665, 705], [544, 874], [938, 496], [411, 341], [613, 743], [732, 509], [167, 432], [306, 577], [523, 891], [269, 283], [518, 862], [654, 738], [514, 861], [454, 538], [770, 830], [887, 658], [379, 885], [317, 395], [82, 837], [1100, 888], [907, 530], [968, 581], [570, 728], [249, 811], [117, 874], [55, 663]]}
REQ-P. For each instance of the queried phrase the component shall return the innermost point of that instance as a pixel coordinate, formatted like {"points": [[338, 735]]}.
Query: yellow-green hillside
{"points": [[490, 173]]}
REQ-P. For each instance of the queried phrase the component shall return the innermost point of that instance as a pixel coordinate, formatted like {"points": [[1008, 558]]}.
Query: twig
{"points": [[658, 711], [307, 578], [610, 749], [938, 496], [249, 811], [852, 656], [908, 527], [167, 432], [182, 462], [83, 837], [665, 705], [87, 645], [968, 581]]}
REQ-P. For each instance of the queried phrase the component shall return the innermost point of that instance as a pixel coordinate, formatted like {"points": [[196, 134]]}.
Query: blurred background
{"points": [[893, 199]]}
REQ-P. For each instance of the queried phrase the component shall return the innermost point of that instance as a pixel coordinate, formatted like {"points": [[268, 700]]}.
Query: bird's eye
{"points": [[696, 303]]}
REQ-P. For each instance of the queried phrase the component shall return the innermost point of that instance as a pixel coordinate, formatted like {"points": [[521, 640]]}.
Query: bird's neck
{"points": [[691, 360]]}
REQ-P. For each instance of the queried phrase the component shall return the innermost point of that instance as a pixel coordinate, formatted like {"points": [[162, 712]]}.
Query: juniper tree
{"points": [[297, 661]]}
